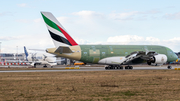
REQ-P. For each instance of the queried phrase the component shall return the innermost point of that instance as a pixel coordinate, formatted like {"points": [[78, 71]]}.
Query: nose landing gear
{"points": [[169, 67]]}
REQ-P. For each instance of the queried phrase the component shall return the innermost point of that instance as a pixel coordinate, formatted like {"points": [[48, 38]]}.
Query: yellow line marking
{"points": [[71, 67]]}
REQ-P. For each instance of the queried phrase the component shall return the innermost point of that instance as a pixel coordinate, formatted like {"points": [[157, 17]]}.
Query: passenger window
{"points": [[85, 53]]}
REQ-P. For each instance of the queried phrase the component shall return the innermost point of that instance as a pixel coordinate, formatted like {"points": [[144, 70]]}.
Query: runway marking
{"points": [[71, 67]]}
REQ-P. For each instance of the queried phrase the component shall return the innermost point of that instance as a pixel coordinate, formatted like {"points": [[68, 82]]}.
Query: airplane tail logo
{"points": [[26, 53], [58, 33]]}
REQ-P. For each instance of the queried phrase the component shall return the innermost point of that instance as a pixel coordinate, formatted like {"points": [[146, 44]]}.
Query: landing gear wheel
{"points": [[128, 67], [121, 67], [118, 67], [35, 65], [113, 67], [108, 67], [44, 66], [169, 67]]}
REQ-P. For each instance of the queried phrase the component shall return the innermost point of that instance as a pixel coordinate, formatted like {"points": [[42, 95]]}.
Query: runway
{"points": [[72, 69]]}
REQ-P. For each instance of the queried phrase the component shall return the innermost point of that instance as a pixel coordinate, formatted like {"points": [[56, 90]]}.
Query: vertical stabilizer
{"points": [[58, 34], [26, 53]]}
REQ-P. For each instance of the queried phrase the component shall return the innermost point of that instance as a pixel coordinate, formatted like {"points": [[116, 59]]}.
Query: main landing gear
{"points": [[35, 65], [114, 67], [111, 67], [44, 66], [128, 67]]}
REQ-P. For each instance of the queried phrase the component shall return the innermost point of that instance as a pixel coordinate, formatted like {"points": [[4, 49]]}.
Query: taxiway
{"points": [[70, 69]]}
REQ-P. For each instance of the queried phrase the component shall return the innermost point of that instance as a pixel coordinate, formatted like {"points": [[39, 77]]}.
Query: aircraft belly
{"points": [[112, 60], [43, 62]]}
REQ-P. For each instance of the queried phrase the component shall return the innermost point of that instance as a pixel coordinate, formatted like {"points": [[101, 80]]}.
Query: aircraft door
{"points": [[103, 52], [85, 56]]}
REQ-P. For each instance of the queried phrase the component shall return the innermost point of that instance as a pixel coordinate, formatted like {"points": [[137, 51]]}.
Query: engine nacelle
{"points": [[159, 59]]}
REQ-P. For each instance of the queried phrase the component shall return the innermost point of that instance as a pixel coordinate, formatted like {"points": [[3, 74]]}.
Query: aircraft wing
{"points": [[139, 54], [63, 49]]}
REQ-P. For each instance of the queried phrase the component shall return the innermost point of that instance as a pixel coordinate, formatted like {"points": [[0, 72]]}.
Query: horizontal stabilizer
{"points": [[62, 49], [37, 49]]}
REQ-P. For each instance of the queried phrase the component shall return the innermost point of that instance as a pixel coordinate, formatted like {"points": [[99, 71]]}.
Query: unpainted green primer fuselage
{"points": [[94, 53]]}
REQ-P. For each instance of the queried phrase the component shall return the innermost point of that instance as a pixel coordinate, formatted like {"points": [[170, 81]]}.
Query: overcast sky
{"points": [[144, 22]]}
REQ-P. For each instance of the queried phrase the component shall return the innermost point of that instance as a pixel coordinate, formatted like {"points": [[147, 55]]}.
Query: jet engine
{"points": [[159, 59]]}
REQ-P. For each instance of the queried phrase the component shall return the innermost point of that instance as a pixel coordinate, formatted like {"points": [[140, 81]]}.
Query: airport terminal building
{"points": [[12, 57]]}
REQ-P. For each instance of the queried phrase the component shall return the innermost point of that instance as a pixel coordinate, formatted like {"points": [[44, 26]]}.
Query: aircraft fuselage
{"points": [[94, 53]]}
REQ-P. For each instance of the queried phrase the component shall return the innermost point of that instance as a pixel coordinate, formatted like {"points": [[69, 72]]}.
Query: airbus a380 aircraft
{"points": [[115, 56]]}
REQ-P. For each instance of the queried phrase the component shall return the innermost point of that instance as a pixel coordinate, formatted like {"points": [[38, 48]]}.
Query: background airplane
{"points": [[39, 58], [115, 56]]}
